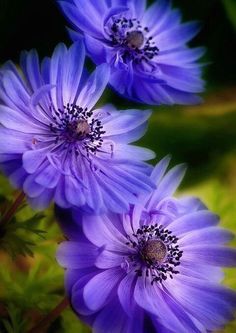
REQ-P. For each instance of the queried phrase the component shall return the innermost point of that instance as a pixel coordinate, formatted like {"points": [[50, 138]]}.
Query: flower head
{"points": [[145, 47], [56, 146], [155, 269]]}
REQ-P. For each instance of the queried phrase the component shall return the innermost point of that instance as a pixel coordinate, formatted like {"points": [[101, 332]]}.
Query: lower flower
{"points": [[155, 269]]}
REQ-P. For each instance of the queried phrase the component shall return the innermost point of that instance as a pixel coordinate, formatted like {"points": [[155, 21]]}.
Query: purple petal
{"points": [[16, 91], [48, 177], [173, 38], [210, 255], [32, 159], [206, 236], [71, 73], [75, 255], [119, 123], [42, 201], [95, 48], [154, 94], [191, 204], [99, 288], [151, 298], [126, 293], [60, 196], [183, 79], [17, 178], [137, 153], [157, 13], [181, 57], [77, 15], [56, 70], [139, 7], [75, 282], [31, 187], [99, 234], [74, 192], [94, 87], [211, 304], [30, 64], [160, 169], [17, 121], [12, 143], [168, 184], [111, 319], [108, 259], [183, 98], [193, 221], [214, 274]]}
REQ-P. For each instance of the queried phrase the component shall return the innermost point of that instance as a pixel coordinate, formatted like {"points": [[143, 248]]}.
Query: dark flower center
{"points": [[74, 125], [76, 130], [157, 252], [154, 251], [135, 39], [82, 128], [129, 34]]}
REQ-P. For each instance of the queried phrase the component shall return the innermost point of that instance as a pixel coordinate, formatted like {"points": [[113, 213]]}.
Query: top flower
{"points": [[146, 50], [56, 147]]}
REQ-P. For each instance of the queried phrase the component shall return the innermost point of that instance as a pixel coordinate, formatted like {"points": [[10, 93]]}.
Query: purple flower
{"points": [[155, 269], [56, 146], [145, 47]]}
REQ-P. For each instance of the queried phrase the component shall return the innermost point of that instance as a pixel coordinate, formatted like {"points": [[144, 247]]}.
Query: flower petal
{"points": [[100, 287], [193, 221], [220, 256], [94, 87], [75, 255]]}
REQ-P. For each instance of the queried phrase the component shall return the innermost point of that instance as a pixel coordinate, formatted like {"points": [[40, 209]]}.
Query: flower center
{"points": [[76, 126], [82, 128], [154, 251], [157, 252], [134, 40], [76, 130]]}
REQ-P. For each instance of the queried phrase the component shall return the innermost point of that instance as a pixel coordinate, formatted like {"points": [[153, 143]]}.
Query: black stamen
{"points": [[129, 34], [157, 252], [73, 124]]}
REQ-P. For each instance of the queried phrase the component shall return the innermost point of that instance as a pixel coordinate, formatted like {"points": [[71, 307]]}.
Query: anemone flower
{"points": [[146, 48], [56, 146], [154, 269]]}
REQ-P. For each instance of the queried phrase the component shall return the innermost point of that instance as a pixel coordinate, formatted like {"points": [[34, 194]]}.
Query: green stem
{"points": [[52, 316], [12, 210]]}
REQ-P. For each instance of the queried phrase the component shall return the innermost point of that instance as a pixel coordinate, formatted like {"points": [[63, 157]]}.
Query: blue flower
{"points": [[146, 48], [154, 269], [56, 146]]}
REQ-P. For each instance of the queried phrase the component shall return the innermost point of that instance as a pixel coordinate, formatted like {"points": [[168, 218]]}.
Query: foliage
{"points": [[13, 238], [14, 324]]}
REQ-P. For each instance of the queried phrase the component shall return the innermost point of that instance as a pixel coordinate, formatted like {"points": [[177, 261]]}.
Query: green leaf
{"points": [[15, 323], [15, 235]]}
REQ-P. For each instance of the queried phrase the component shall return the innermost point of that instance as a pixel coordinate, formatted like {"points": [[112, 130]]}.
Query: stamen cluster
{"points": [[129, 34], [73, 124], [157, 252]]}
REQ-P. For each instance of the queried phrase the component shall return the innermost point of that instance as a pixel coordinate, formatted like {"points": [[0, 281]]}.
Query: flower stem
{"points": [[12, 210], [47, 320]]}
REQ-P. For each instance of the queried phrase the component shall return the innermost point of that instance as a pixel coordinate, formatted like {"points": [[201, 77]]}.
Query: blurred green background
{"points": [[202, 136]]}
